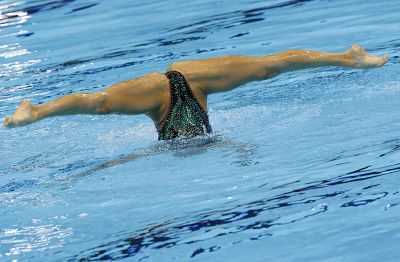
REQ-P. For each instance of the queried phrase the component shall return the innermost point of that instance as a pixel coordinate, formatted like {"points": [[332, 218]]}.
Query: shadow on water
{"points": [[253, 217]]}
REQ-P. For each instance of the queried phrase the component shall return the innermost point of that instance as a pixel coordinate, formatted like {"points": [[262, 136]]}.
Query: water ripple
{"points": [[250, 217], [33, 238]]}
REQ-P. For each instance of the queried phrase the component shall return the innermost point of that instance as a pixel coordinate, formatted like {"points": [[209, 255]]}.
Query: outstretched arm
{"points": [[226, 73], [137, 96]]}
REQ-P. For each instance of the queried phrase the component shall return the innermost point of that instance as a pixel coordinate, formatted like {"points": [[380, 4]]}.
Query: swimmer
{"points": [[177, 100]]}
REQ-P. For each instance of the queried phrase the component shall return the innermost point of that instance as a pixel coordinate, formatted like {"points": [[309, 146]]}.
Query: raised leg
{"points": [[226, 73], [150, 94], [144, 95]]}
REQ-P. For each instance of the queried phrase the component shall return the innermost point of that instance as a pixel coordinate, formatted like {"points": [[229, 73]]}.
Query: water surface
{"points": [[301, 167]]}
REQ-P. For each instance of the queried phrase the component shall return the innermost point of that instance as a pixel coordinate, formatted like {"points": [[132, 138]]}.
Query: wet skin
{"points": [[150, 94]]}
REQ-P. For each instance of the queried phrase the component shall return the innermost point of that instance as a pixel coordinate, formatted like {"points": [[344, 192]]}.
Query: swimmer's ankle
{"points": [[34, 115], [32, 110], [37, 113], [348, 59]]}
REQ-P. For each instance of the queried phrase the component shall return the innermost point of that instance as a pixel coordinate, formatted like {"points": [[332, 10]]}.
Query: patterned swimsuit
{"points": [[186, 118]]}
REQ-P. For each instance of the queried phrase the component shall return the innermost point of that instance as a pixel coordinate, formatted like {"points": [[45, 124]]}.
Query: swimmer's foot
{"points": [[359, 58], [25, 114]]}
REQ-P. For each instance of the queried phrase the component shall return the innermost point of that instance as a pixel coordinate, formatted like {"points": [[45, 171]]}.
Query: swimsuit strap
{"points": [[186, 117]]}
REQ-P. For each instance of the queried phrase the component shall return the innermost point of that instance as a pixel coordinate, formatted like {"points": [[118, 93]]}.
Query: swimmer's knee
{"points": [[176, 66], [94, 102]]}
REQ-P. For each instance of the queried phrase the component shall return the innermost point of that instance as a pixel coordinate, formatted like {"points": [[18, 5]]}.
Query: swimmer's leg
{"points": [[141, 95], [226, 73]]}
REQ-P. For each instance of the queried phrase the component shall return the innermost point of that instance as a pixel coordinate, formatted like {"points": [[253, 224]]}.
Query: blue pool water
{"points": [[301, 167]]}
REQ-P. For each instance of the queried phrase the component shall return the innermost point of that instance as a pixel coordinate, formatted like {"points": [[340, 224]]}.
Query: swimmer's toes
{"points": [[384, 59], [8, 122], [379, 61], [5, 122]]}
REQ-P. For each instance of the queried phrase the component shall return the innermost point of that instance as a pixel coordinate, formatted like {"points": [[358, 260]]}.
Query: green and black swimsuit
{"points": [[186, 118]]}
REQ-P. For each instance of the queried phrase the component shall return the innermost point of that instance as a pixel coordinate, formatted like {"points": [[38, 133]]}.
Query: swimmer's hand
{"points": [[24, 115], [357, 57]]}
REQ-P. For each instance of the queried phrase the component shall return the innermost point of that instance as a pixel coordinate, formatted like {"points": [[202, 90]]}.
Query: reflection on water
{"points": [[33, 7], [38, 238], [12, 18]]}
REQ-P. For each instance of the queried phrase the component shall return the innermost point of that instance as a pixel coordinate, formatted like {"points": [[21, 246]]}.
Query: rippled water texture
{"points": [[302, 167]]}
